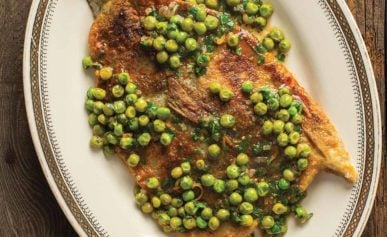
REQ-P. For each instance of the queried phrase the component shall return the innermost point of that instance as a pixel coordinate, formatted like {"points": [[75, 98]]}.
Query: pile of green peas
{"points": [[120, 117], [179, 37], [276, 40]]}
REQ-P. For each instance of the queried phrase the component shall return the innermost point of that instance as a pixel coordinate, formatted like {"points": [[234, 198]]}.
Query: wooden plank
{"points": [[27, 205]]}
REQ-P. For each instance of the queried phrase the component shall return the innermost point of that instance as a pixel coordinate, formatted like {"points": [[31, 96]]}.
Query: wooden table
{"points": [[27, 206]]}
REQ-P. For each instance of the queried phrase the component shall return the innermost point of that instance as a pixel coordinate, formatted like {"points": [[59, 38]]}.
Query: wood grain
{"points": [[27, 206]]}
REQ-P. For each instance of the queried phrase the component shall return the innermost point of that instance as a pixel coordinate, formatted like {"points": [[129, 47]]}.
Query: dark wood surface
{"points": [[27, 206]]}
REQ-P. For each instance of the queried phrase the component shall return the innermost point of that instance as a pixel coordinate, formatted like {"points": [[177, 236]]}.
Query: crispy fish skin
{"points": [[117, 33]]}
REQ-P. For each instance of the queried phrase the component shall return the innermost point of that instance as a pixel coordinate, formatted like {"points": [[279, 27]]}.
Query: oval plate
{"points": [[328, 58]]}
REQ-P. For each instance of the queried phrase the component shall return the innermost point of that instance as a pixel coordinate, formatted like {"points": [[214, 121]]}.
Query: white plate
{"points": [[328, 57]]}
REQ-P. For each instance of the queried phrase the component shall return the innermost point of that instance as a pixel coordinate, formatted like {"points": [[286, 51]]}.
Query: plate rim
{"points": [[364, 57]]}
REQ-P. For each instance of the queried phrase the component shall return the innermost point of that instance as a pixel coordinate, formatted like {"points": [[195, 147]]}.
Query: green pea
{"points": [[219, 186], [133, 124], [225, 94], [286, 100], [284, 90], [127, 142], [181, 37], [303, 150], [89, 105], [166, 199], [118, 129], [202, 60], [294, 137], [297, 119], [207, 180], [111, 139], [211, 22], [98, 107], [288, 175], [266, 10], [284, 46], [282, 139], [191, 44], [161, 27], [267, 127], [289, 127], [200, 28], [188, 195], [150, 23], [186, 167], [186, 183], [156, 202], [260, 109], [130, 112], [175, 223], [159, 43], [283, 115], [200, 164], [177, 202], [201, 223], [152, 183], [96, 142], [302, 164], [213, 4], [232, 40], [159, 126], [92, 119], [162, 57], [213, 223], [290, 152], [235, 199], [276, 34], [131, 88], [256, 97], [246, 220], [187, 24], [166, 139], [147, 208], [206, 213], [242, 159], [172, 34], [263, 188], [163, 113], [233, 171], [227, 121], [247, 87], [108, 109], [244, 180], [133, 160], [233, 3], [99, 93], [283, 184], [176, 19], [201, 14], [141, 105], [171, 46], [260, 22], [189, 223], [119, 107], [278, 126], [232, 185], [292, 110], [164, 219], [98, 130], [87, 62], [174, 61], [141, 198], [251, 8], [177, 172], [123, 78], [267, 222], [106, 73], [223, 214], [121, 118], [250, 195], [215, 87], [144, 139], [214, 150], [273, 104], [190, 208], [143, 120]]}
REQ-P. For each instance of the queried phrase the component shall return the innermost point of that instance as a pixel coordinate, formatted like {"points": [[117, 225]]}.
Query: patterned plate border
{"points": [[69, 198]]}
